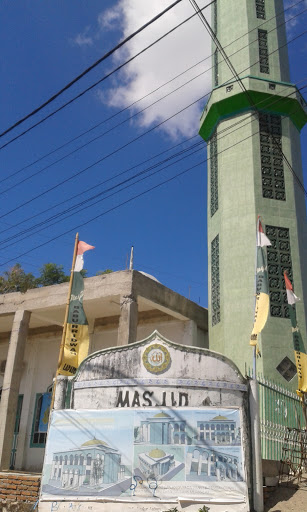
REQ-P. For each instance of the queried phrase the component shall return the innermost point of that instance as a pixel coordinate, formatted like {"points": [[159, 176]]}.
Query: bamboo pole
{"points": [[65, 319]]}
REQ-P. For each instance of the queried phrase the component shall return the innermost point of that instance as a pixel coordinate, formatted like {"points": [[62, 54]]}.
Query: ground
{"points": [[288, 498]]}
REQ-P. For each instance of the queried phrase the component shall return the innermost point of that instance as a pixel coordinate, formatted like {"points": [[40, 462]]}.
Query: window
{"points": [[263, 51], [215, 17], [287, 369], [40, 420], [272, 170], [260, 9], [215, 281], [214, 201], [216, 67], [279, 260]]}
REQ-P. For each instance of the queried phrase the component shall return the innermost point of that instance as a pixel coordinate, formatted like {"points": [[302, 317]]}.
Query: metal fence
{"points": [[279, 409]]}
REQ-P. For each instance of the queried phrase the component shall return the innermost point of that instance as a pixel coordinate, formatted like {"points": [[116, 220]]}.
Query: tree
{"points": [[51, 273], [16, 280], [101, 272]]}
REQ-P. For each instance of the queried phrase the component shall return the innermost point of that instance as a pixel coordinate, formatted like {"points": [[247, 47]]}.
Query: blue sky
{"points": [[46, 44]]}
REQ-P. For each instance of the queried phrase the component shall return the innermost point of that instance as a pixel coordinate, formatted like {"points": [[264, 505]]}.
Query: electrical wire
{"points": [[110, 179], [125, 187], [90, 68], [112, 153], [126, 108], [108, 75], [120, 204], [98, 81]]}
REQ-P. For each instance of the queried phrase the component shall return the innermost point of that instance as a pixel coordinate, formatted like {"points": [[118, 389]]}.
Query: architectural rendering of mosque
{"points": [[203, 463], [218, 430], [93, 464], [156, 463], [163, 429]]}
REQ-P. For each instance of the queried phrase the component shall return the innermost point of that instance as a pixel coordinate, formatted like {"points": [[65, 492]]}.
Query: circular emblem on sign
{"points": [[156, 358]]}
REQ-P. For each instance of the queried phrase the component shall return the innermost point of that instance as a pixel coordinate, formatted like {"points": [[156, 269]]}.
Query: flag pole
{"points": [[254, 348], [65, 318]]}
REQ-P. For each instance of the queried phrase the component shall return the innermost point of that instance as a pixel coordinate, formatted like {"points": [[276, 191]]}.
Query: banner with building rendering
{"points": [[145, 454]]}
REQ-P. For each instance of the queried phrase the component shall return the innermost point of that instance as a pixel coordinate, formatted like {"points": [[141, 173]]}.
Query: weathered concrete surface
{"points": [[113, 320], [116, 284], [121, 377], [11, 383], [128, 320]]}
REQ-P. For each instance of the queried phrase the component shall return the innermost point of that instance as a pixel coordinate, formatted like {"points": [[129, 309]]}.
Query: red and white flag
{"points": [[292, 298], [82, 247], [262, 239]]}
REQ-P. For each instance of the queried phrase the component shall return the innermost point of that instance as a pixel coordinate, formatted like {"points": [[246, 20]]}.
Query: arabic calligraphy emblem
{"points": [[156, 358]]}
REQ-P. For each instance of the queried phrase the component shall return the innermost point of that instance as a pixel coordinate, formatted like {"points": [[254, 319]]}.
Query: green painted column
{"points": [[247, 177]]}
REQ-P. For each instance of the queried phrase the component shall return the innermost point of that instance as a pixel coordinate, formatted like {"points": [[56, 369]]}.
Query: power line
{"points": [[101, 183], [112, 152], [90, 68], [98, 81], [108, 75], [110, 179], [127, 186], [129, 106], [120, 204], [197, 147]]}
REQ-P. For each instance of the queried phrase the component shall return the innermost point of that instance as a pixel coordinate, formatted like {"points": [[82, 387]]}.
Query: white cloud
{"points": [[180, 50], [290, 13], [107, 19], [83, 39]]}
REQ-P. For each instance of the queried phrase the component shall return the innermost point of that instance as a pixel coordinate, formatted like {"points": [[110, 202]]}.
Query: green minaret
{"points": [[248, 176]]}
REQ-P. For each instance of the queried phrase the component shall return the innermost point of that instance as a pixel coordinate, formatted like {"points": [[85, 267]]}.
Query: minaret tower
{"points": [[252, 128]]}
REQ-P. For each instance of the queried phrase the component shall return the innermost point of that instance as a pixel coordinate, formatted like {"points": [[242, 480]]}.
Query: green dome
{"points": [[157, 454], [94, 442], [161, 415], [218, 418]]}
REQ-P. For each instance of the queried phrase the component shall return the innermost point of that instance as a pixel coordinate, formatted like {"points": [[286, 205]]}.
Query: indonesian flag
{"points": [[292, 298], [262, 306], [82, 247], [262, 239], [298, 344]]}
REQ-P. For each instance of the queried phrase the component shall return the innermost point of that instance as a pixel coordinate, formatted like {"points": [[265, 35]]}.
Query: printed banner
{"points": [[144, 454], [77, 335], [262, 297]]}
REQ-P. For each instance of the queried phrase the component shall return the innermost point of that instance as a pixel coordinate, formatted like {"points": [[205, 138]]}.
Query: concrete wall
{"points": [[158, 308]]}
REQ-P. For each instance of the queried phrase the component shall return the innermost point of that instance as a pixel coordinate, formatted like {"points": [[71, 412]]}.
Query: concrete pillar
{"points": [[11, 383], [256, 446], [190, 333], [60, 392], [200, 461], [128, 320], [188, 462], [28, 378], [91, 332]]}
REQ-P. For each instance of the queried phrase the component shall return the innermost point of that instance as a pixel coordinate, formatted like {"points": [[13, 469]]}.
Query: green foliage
{"points": [[101, 272], [51, 273], [175, 509], [204, 509], [16, 280]]}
